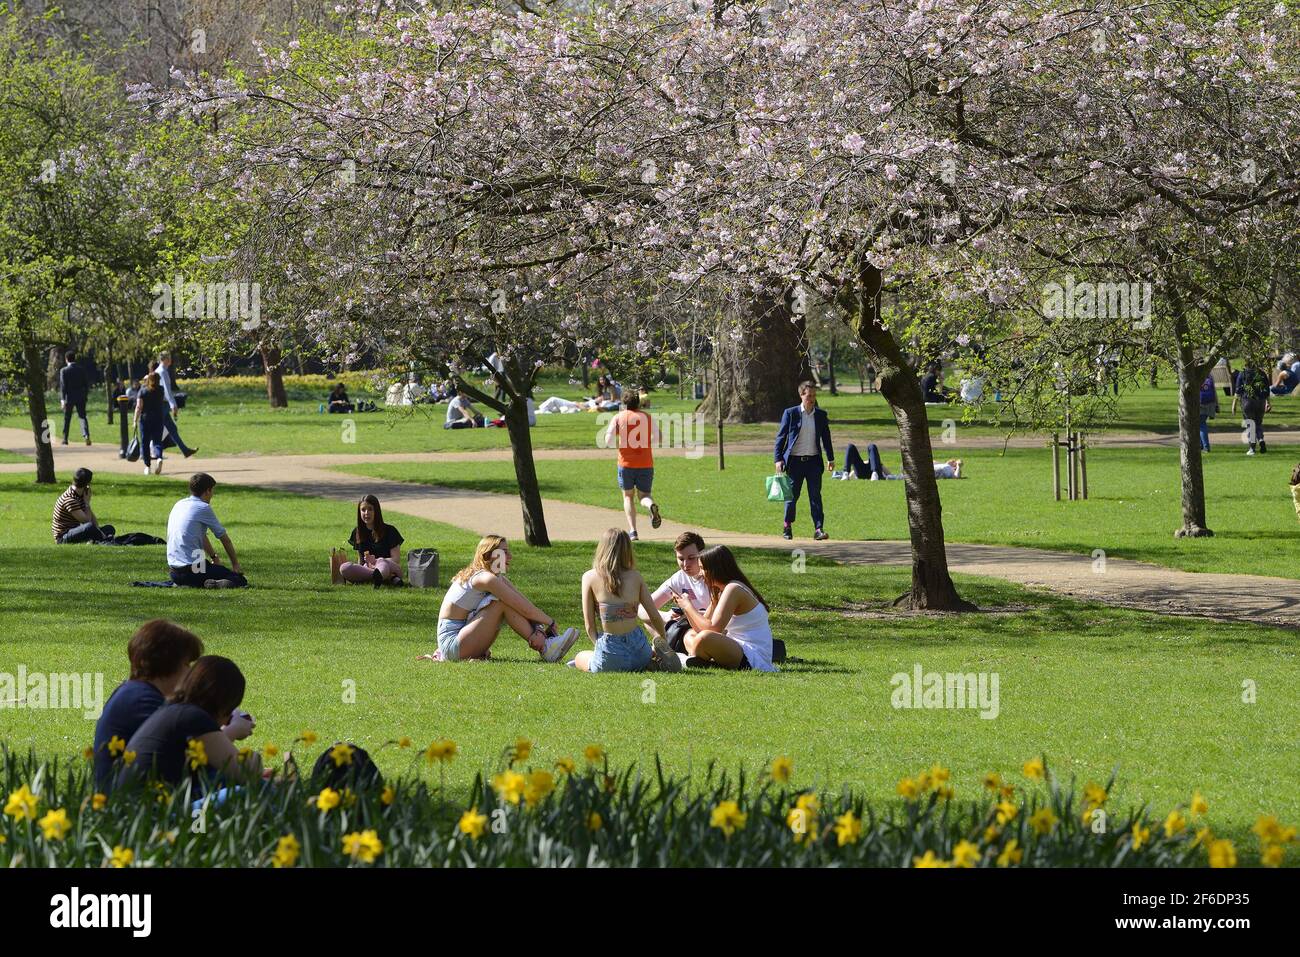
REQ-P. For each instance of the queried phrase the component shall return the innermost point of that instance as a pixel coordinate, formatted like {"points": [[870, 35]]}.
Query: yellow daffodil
{"points": [[1222, 853], [728, 818], [442, 750], [565, 765], [594, 821], [1271, 831], [308, 737], [21, 804], [1043, 820], [1203, 836], [965, 854], [848, 829], [341, 754], [473, 823], [1272, 855], [1033, 769], [802, 818], [286, 853], [522, 749], [780, 769], [121, 857], [908, 789], [196, 754], [1006, 812], [939, 774], [403, 742], [944, 792], [537, 785], [1095, 794], [270, 751], [128, 758], [1199, 804], [88, 754], [1141, 835], [509, 786], [993, 781], [923, 781], [929, 860], [593, 753], [364, 846], [992, 833], [98, 801], [328, 799], [55, 825], [115, 746], [1175, 823], [388, 796], [1011, 854]]}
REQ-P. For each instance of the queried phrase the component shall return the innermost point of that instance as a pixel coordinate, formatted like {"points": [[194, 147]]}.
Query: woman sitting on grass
{"points": [[378, 545], [184, 737], [480, 598], [338, 399], [734, 633], [612, 591]]}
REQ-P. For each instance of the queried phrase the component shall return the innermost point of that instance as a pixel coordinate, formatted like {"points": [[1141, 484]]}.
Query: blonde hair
{"points": [[488, 546], [613, 557]]}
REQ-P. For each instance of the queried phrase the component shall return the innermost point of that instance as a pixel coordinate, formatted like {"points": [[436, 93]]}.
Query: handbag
{"points": [[778, 488], [422, 567], [133, 449]]}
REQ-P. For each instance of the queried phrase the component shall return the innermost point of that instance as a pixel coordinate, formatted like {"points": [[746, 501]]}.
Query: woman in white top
{"points": [[734, 633], [480, 598]]}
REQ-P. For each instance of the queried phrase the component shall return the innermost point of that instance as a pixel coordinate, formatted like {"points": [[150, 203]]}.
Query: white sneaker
{"points": [[553, 649], [157, 466], [875, 477], [1250, 451], [148, 470], [668, 660]]}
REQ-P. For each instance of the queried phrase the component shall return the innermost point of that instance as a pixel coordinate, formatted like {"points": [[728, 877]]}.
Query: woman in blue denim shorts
{"points": [[611, 594]]}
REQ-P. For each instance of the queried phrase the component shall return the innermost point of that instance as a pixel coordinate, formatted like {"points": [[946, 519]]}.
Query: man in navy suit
{"points": [[74, 388], [804, 432]]}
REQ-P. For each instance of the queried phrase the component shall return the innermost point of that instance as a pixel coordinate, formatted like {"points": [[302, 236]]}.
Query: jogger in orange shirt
{"points": [[636, 434]]}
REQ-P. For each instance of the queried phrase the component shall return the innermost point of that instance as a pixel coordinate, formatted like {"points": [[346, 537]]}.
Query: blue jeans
{"points": [[864, 470], [630, 652], [805, 468], [187, 577], [87, 532], [1205, 433]]}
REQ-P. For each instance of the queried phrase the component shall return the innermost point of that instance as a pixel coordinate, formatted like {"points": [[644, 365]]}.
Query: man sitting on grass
{"points": [[160, 653], [191, 560], [74, 520]]}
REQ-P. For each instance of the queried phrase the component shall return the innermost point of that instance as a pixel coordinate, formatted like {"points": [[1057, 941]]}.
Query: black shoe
{"points": [[188, 452], [820, 536], [694, 662], [1262, 447], [378, 578], [786, 533], [655, 518]]}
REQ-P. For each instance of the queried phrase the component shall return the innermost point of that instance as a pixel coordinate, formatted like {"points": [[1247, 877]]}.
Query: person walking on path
{"points": [[637, 434], [1252, 389], [805, 431], [150, 423], [164, 371], [74, 388], [1209, 409]]}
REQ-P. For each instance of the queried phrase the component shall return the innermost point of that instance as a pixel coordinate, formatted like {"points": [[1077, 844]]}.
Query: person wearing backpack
{"points": [[1209, 409], [1252, 389]]}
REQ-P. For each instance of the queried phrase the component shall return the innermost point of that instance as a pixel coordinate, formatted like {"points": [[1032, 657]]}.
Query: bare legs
{"points": [[343, 570], [716, 647], [477, 637], [629, 507]]}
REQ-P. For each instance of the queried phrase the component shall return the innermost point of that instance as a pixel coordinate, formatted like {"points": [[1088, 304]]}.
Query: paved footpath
{"points": [[1124, 583]]}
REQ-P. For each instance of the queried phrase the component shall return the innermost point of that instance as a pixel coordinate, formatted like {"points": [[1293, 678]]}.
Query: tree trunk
{"points": [[274, 376], [42, 428], [767, 362], [530, 496], [830, 367], [932, 587], [1190, 376]]}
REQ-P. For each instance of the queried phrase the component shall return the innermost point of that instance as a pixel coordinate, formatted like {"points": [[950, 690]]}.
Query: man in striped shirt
{"points": [[74, 520]]}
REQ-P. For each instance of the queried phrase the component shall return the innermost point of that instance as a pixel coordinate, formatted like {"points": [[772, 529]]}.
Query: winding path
{"points": [[1260, 599]]}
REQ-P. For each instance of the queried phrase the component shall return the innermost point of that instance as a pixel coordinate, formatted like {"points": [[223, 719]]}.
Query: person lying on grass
{"points": [[184, 737], [378, 545], [160, 653], [480, 598], [874, 470], [735, 632], [613, 592]]}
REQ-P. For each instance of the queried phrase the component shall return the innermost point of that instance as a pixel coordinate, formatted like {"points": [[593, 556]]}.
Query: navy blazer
{"points": [[788, 433]]}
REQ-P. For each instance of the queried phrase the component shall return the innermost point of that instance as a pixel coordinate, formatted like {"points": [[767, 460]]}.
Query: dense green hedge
{"points": [[583, 813]]}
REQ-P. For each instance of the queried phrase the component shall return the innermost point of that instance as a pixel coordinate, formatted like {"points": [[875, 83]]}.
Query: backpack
{"points": [[358, 775]]}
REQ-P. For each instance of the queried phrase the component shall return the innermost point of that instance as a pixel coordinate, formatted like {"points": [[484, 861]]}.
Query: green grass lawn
{"points": [[1132, 509], [1095, 689], [221, 418]]}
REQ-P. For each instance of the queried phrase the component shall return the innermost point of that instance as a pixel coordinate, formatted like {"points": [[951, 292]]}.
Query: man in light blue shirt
{"points": [[191, 560]]}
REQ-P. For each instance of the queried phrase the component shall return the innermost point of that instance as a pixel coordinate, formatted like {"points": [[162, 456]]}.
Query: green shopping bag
{"points": [[778, 488]]}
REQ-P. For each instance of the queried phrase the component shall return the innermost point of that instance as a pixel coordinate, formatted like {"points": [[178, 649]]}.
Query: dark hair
{"points": [[160, 648], [720, 570], [359, 773], [81, 478], [214, 684], [632, 400], [603, 379], [1295, 474], [363, 533], [200, 482], [807, 384], [688, 538], [70, 355]]}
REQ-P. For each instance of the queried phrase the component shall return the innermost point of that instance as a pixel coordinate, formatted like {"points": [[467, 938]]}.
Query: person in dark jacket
{"points": [[805, 431], [74, 387], [1209, 409], [1252, 390]]}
